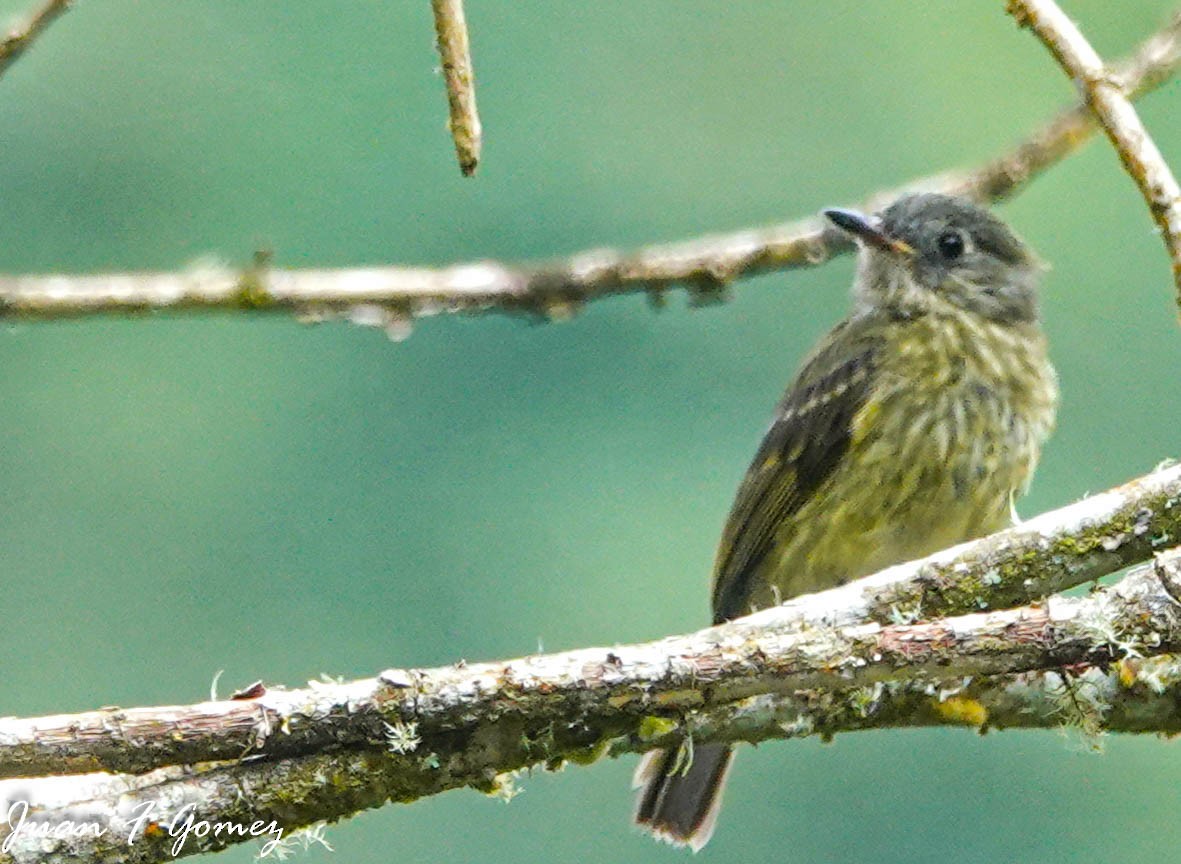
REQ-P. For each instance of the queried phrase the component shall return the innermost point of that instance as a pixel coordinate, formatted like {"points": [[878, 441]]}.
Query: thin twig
{"points": [[1104, 94], [19, 40], [456, 53], [1055, 551], [394, 296]]}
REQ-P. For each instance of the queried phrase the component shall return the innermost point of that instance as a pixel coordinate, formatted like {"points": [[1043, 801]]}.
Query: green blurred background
{"points": [[188, 494]]}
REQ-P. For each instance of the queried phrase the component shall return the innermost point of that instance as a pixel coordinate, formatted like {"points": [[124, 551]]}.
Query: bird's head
{"points": [[927, 250]]}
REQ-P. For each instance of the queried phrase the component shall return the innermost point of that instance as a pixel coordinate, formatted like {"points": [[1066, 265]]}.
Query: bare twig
{"points": [[393, 296], [18, 41], [1105, 96], [456, 53], [1053, 552]]}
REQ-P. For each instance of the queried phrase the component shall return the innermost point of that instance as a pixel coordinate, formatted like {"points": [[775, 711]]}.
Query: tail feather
{"points": [[680, 804]]}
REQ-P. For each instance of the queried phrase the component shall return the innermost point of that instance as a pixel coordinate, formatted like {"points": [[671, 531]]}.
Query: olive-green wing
{"points": [[807, 439]]}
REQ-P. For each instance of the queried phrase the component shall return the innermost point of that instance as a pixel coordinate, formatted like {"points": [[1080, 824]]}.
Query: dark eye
{"points": [[951, 245]]}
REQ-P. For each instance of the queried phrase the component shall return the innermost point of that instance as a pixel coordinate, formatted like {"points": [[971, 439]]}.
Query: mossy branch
{"points": [[1099, 663], [1055, 551], [850, 658]]}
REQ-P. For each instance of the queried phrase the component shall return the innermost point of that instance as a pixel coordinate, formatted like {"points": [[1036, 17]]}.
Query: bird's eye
{"points": [[951, 245]]}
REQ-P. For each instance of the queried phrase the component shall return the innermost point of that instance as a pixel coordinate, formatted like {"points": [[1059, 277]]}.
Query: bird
{"points": [[911, 426]]}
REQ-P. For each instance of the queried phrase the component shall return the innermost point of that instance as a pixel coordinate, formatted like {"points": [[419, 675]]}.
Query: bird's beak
{"points": [[861, 227]]}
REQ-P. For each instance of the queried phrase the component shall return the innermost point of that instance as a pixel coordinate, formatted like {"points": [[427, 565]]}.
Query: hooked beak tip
{"points": [[860, 226], [846, 220]]}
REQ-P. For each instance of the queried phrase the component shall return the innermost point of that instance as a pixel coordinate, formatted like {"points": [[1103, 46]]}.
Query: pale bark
{"points": [[1103, 93], [394, 296]]}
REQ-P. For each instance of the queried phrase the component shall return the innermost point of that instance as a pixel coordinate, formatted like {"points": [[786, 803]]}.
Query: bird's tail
{"points": [[679, 803]]}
